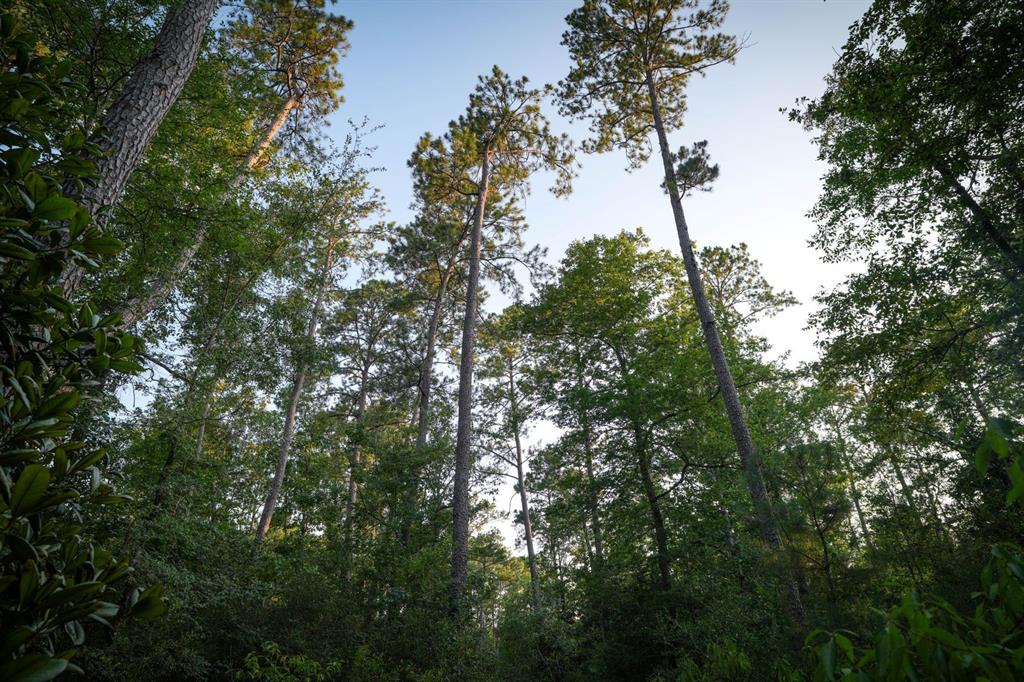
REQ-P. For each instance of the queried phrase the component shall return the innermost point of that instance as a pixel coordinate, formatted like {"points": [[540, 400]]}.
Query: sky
{"points": [[413, 63]]}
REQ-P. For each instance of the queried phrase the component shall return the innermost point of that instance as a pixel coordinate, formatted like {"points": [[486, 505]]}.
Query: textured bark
{"points": [[523, 497], [161, 287], [293, 405], [464, 435], [151, 91], [726, 383]]}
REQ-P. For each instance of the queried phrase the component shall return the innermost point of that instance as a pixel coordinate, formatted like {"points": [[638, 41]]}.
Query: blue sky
{"points": [[414, 62]]}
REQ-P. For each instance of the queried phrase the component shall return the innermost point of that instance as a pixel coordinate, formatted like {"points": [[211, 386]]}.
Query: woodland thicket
{"points": [[331, 401]]}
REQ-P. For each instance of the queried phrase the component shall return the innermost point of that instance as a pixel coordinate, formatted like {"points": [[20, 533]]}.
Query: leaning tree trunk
{"points": [[152, 89], [523, 497], [162, 286], [726, 383], [464, 435], [293, 406]]}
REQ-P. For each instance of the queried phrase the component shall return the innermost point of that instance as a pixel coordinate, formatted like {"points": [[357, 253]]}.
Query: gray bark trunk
{"points": [[595, 515], [464, 435], [523, 497], [657, 518], [726, 383], [133, 118], [293, 405]]}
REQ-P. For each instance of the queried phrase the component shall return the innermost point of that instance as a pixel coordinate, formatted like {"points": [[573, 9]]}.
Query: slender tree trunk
{"points": [[464, 436], [161, 287], [726, 384], [152, 89], [523, 497], [657, 518], [203, 418], [165, 472], [353, 471], [595, 513], [293, 403], [423, 410]]}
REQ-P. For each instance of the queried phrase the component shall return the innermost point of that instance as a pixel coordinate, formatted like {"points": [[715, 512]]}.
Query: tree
{"points": [[632, 60], [297, 45], [504, 131], [131, 121], [348, 201]]}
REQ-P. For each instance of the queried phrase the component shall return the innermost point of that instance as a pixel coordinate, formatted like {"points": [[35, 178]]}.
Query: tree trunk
{"points": [[425, 388], [595, 517], [726, 384], [293, 404], [464, 436], [162, 286], [657, 519], [353, 471], [152, 89], [523, 498]]}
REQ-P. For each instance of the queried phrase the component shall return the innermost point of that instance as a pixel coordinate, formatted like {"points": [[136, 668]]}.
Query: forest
{"points": [[253, 428]]}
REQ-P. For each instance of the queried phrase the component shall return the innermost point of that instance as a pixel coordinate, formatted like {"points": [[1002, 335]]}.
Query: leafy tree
{"points": [[632, 60]]}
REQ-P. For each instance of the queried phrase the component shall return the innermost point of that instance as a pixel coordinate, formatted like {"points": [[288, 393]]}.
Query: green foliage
{"points": [[928, 639], [271, 665], [54, 581]]}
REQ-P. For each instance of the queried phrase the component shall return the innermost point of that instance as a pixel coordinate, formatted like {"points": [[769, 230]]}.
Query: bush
{"points": [[53, 580]]}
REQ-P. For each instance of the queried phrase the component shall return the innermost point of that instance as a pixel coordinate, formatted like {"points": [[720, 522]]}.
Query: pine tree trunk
{"points": [[163, 286], [293, 404], [152, 89], [464, 435], [727, 386], [523, 497]]}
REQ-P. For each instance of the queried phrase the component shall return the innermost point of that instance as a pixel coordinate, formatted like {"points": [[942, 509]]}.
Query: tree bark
{"points": [[464, 435], [133, 118], [293, 404], [726, 383], [523, 498]]}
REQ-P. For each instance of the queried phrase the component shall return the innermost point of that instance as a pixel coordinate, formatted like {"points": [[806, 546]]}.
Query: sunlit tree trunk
{"points": [[464, 435], [726, 383], [162, 286]]}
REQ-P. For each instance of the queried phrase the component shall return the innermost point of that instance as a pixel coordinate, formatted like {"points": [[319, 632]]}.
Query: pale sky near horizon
{"points": [[413, 64]]}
